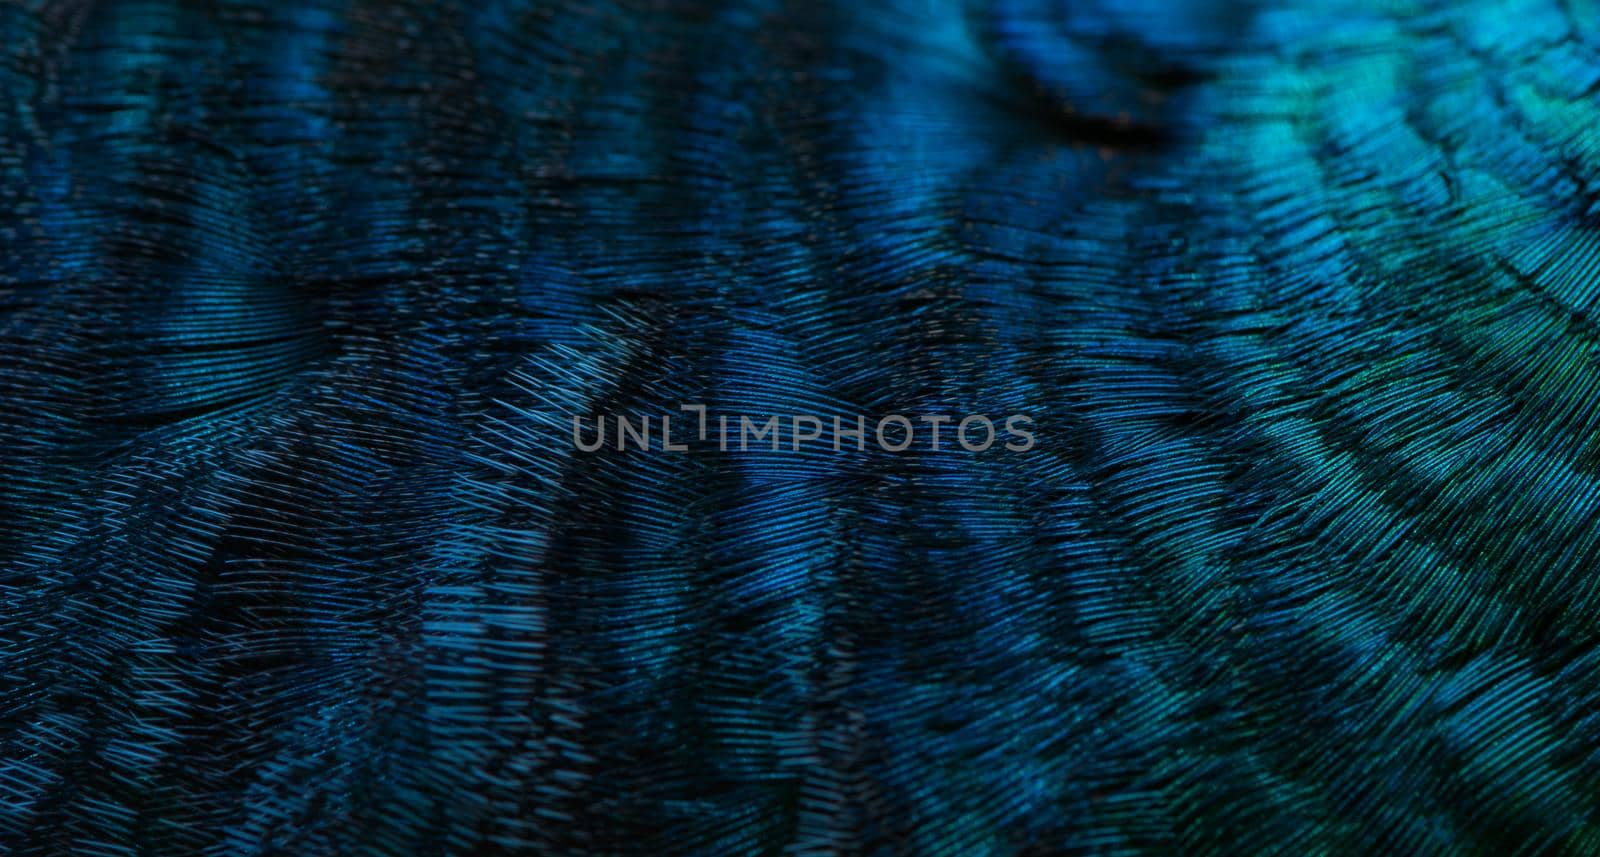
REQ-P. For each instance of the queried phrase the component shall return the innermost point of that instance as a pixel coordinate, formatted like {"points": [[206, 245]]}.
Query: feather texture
{"points": [[298, 299]]}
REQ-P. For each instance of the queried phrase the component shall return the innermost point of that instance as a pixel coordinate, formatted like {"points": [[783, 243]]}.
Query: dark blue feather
{"points": [[298, 301]]}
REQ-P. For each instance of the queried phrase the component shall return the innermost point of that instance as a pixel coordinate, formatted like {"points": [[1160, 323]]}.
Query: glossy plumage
{"points": [[297, 298]]}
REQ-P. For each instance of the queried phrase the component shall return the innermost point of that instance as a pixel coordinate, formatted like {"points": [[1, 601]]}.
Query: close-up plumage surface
{"points": [[300, 555]]}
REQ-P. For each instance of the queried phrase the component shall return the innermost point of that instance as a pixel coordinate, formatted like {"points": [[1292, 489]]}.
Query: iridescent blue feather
{"points": [[297, 300]]}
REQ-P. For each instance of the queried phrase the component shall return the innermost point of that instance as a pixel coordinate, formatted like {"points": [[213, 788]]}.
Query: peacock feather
{"points": [[299, 300]]}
